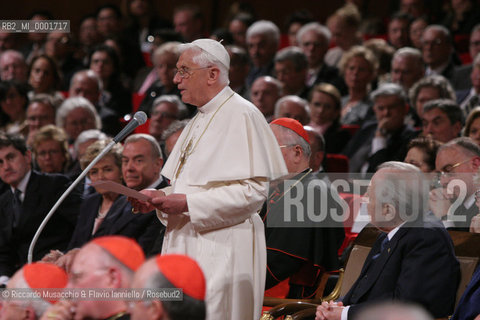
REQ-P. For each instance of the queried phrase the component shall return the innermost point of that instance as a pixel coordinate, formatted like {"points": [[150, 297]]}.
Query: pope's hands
{"points": [[175, 203]]}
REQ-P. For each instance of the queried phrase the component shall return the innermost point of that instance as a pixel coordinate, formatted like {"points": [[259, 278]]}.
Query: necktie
{"points": [[383, 245], [17, 207]]}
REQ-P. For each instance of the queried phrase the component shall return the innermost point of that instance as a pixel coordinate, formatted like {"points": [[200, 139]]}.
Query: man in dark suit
{"points": [[461, 77], [457, 163], [87, 84], [438, 51], [141, 165], [263, 38], [386, 138], [142, 162], [25, 205], [469, 305], [413, 260], [313, 38], [470, 98]]}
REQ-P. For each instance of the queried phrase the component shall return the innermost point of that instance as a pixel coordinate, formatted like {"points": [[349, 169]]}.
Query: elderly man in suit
{"points": [[412, 260], [386, 138]]}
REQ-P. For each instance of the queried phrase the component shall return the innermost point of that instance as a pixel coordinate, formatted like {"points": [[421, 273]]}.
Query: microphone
{"points": [[138, 119]]}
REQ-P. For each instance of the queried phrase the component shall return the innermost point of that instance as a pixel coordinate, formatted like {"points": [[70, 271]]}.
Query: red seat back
{"points": [[336, 163]]}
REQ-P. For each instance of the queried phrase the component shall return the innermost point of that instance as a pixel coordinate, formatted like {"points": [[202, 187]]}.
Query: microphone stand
{"points": [[139, 118], [64, 195]]}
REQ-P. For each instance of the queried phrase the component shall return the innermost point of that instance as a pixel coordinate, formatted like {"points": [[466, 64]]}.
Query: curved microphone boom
{"points": [[139, 118]]}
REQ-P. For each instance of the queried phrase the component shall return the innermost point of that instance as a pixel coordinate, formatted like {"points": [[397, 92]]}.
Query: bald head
{"points": [[86, 84]]}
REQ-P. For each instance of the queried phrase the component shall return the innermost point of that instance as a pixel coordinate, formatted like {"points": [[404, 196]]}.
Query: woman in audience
{"points": [[13, 102], [472, 125], [416, 31], [359, 68], [76, 115], [422, 152], [325, 117], [50, 148], [105, 62], [44, 76]]}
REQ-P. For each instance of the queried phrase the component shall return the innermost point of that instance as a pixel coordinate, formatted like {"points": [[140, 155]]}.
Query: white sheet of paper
{"points": [[119, 188]]}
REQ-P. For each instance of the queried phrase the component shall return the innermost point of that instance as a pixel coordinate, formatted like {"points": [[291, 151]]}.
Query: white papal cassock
{"points": [[232, 156]]}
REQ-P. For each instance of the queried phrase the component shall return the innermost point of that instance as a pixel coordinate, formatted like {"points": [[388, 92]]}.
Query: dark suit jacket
{"points": [[330, 74], [469, 213], [449, 71], [43, 190], [254, 73], [395, 150], [153, 92], [462, 95], [119, 221], [336, 138], [469, 305], [418, 265], [461, 77]]}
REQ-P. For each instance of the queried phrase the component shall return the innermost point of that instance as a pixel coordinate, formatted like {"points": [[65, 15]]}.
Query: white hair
{"points": [[73, 103], [408, 52], [182, 110], [156, 150], [290, 137], [264, 27], [91, 134], [404, 184], [293, 98], [316, 27], [39, 305]]}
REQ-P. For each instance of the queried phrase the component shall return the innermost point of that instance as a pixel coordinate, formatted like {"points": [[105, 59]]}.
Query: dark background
{"points": [[215, 11]]}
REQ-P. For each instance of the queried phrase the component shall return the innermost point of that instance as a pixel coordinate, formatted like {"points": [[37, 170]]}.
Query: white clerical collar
{"points": [[213, 104]]}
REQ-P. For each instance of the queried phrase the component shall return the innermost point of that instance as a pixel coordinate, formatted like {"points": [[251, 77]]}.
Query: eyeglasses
{"points": [[477, 195], [186, 73], [435, 42], [44, 153], [287, 145], [447, 170]]}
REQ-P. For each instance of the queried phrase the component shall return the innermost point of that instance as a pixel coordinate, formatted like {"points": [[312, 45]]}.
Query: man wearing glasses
{"points": [[437, 51], [219, 171], [457, 165]]}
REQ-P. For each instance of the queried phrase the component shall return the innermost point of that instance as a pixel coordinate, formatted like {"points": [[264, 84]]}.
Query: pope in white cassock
{"points": [[219, 172]]}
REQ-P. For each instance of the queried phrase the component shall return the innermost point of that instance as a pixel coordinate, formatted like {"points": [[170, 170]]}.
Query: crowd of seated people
{"points": [[409, 90]]}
